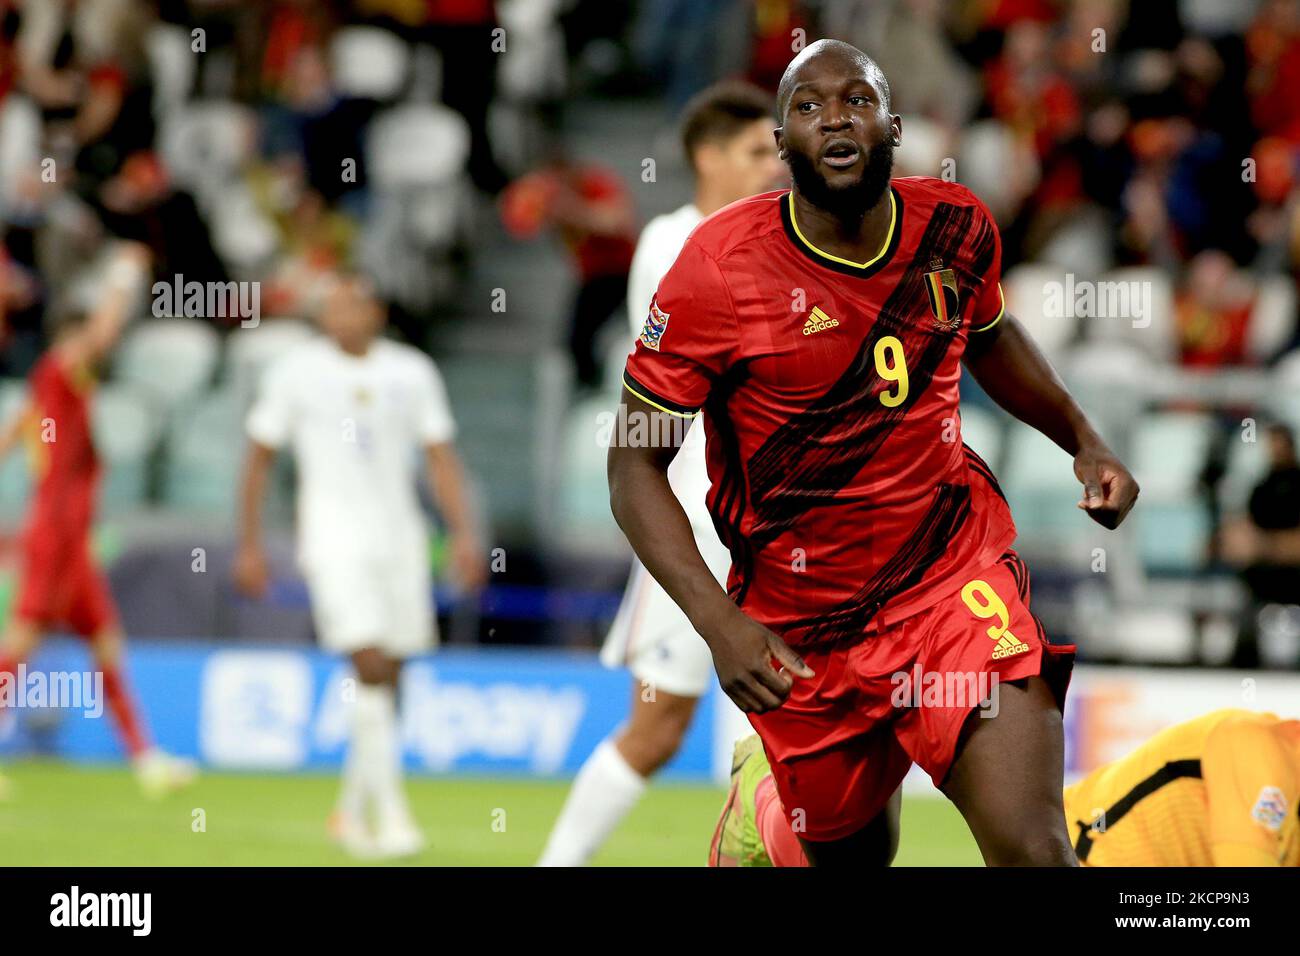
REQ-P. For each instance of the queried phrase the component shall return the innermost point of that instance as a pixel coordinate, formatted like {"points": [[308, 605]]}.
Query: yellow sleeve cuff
{"points": [[1001, 312]]}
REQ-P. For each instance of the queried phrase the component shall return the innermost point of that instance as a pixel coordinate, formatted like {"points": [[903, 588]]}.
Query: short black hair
{"points": [[869, 66], [720, 112]]}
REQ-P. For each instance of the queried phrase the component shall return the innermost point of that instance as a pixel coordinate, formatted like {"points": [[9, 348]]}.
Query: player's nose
{"points": [[835, 118]]}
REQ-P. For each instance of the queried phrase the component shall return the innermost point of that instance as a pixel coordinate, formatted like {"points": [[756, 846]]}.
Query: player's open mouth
{"points": [[840, 154]]}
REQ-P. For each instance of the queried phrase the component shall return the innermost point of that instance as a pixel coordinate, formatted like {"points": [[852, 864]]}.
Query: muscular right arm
{"points": [[660, 533]]}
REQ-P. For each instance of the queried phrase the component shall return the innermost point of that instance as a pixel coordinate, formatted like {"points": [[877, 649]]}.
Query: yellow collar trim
{"points": [[889, 236]]}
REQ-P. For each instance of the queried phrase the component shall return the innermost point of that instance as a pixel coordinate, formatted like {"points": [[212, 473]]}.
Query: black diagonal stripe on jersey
{"points": [[729, 503], [1022, 575], [983, 245], [1171, 771], [807, 460], [1017, 572], [905, 568], [981, 466]]}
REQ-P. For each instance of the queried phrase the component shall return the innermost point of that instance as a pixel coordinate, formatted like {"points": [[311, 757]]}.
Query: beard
{"points": [[849, 202]]}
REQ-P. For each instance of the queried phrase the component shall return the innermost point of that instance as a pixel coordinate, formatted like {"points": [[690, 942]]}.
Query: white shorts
{"points": [[385, 604], [653, 638]]}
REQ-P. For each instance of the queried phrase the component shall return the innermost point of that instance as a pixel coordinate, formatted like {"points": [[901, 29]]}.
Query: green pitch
{"points": [[66, 815]]}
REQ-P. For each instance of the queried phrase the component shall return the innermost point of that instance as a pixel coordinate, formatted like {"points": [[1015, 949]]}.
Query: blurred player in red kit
{"points": [[594, 215], [823, 330], [61, 586]]}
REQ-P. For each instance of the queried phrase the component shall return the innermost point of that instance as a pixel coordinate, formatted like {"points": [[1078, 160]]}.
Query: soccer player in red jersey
{"points": [[61, 585], [822, 332]]}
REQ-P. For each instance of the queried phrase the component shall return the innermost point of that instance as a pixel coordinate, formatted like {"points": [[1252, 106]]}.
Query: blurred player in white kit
{"points": [[357, 411], [727, 138]]}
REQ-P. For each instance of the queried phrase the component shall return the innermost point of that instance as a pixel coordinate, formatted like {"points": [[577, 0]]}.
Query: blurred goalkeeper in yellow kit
{"points": [[1219, 790]]}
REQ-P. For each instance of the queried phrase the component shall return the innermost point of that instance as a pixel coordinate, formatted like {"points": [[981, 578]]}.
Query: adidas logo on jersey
{"points": [[818, 321], [1008, 646]]}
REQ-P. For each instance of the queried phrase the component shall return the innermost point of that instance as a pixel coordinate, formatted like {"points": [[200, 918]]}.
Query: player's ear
{"points": [[896, 129], [779, 135]]}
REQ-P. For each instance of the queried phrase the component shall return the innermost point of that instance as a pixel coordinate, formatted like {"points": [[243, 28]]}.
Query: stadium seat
{"points": [[1081, 244], [204, 454], [249, 351], [996, 164], [1110, 380], [582, 514], [1038, 480], [533, 65], [415, 159], [1158, 338], [127, 429], [171, 65], [1026, 288], [1284, 390], [242, 235], [1246, 467], [508, 411], [1272, 320], [416, 145], [204, 145], [924, 149], [172, 359], [20, 145], [1169, 451], [369, 63]]}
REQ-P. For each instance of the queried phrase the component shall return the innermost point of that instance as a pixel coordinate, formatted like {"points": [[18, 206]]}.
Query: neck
{"points": [[710, 197], [356, 348], [855, 234]]}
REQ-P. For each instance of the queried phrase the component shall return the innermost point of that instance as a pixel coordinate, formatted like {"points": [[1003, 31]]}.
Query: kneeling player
{"points": [[1219, 790]]}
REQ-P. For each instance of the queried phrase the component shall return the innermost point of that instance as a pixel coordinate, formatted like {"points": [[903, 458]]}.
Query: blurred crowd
{"points": [[240, 140], [274, 141]]}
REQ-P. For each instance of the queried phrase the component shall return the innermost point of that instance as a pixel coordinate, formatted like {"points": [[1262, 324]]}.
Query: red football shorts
{"points": [[63, 586], [844, 739]]}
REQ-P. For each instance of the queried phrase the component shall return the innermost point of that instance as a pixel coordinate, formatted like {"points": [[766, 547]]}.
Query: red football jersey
{"points": [[65, 465], [839, 480]]}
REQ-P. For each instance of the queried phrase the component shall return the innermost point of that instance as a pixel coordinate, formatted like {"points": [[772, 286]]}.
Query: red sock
{"points": [[130, 726], [782, 846]]}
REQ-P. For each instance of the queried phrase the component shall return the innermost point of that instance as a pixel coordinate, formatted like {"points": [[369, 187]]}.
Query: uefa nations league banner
{"points": [[488, 711]]}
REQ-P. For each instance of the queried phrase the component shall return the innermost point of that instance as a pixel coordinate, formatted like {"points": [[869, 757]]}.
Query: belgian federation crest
{"points": [[656, 323], [945, 304]]}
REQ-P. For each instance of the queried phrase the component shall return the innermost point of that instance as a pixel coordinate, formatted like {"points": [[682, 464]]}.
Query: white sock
{"points": [[603, 793], [378, 755], [352, 794]]}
